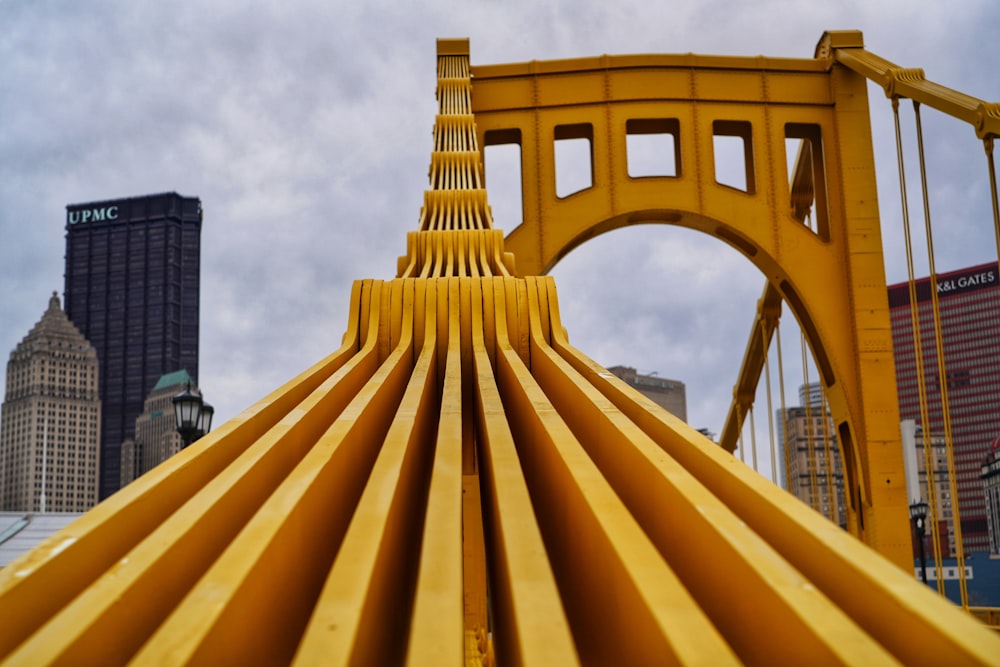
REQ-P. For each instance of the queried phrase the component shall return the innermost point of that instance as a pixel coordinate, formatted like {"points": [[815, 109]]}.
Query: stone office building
{"points": [[671, 395], [156, 438], [50, 423]]}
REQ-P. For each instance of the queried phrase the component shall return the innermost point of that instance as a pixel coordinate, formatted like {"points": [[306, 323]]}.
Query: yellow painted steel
{"points": [[847, 48], [830, 274], [754, 358], [458, 485]]}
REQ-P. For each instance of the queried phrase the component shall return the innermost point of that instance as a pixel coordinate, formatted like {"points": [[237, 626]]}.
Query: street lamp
{"points": [[194, 416], [918, 515], [205, 419]]}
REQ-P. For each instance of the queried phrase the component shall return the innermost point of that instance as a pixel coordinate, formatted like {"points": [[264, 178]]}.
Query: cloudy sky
{"points": [[305, 129]]}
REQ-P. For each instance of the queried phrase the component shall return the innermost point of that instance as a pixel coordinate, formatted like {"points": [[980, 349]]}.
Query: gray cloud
{"points": [[305, 129]]}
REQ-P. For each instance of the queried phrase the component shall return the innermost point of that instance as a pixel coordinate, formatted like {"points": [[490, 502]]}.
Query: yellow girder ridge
{"points": [[455, 485]]}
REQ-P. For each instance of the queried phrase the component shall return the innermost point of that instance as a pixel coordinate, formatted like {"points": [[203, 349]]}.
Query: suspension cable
{"points": [[753, 439], [784, 413], [739, 417], [930, 462], [770, 405], [826, 439], [917, 337], [942, 371], [811, 463], [988, 146]]}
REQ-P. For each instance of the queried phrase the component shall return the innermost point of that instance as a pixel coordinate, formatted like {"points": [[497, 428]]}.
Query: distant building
{"points": [[51, 416], [670, 395], [156, 437], [915, 460], [814, 451], [811, 395], [133, 270], [811, 462], [991, 484], [969, 304]]}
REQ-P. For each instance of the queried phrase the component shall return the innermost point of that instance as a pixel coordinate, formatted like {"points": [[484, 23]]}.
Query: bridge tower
{"points": [[814, 234]]}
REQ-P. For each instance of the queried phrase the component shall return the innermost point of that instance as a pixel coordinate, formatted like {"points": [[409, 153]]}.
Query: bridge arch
{"points": [[814, 233], [778, 279]]}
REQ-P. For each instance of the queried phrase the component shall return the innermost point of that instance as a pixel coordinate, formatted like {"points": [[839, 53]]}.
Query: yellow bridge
{"points": [[459, 484]]}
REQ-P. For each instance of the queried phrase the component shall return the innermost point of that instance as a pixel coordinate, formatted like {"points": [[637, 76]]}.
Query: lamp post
{"points": [[194, 416], [918, 515], [205, 419]]}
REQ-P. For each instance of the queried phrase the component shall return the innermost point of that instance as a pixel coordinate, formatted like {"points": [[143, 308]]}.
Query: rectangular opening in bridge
{"points": [[807, 176], [574, 148], [652, 147], [502, 166], [732, 141]]}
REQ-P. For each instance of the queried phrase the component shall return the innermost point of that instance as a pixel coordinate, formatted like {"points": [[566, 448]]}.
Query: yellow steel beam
{"points": [[847, 48], [662, 495], [530, 624], [623, 600], [439, 613], [364, 596], [196, 632], [754, 358]]}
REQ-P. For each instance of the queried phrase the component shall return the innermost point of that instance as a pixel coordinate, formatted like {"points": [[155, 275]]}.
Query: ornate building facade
{"points": [[51, 420], [156, 437]]}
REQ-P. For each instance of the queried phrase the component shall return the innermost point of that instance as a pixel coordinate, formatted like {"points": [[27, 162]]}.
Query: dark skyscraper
{"points": [[133, 271]]}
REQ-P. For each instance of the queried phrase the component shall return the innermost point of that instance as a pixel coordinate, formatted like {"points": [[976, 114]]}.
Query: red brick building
{"points": [[969, 305]]}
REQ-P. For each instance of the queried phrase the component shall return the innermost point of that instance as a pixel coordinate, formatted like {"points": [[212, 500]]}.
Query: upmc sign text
{"points": [[93, 215]]}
